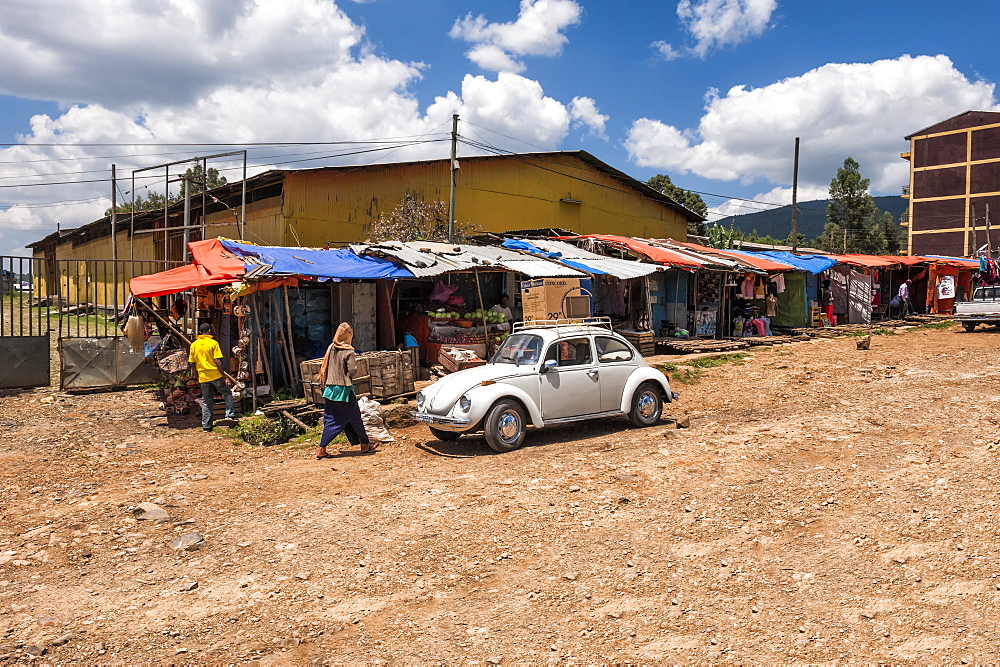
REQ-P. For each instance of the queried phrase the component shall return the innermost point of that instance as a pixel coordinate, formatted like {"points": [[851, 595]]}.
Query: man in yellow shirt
{"points": [[205, 357]]}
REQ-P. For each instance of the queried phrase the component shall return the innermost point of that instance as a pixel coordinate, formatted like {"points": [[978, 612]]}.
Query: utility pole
{"points": [[795, 198], [114, 240], [972, 245], [453, 167], [845, 240], [186, 184], [989, 240]]}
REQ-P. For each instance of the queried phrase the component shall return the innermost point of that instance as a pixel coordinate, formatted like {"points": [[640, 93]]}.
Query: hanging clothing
{"points": [[779, 282], [748, 286]]}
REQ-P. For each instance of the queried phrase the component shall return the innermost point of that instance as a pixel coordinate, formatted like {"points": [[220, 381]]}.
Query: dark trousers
{"points": [[343, 417], [208, 390]]}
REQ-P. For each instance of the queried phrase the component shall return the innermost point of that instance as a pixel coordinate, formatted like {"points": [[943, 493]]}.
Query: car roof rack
{"points": [[577, 323]]}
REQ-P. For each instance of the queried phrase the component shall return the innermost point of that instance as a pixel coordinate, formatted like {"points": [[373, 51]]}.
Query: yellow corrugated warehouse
{"points": [[569, 190]]}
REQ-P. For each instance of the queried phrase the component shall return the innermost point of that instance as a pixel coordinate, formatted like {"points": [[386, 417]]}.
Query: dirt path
{"points": [[826, 504]]}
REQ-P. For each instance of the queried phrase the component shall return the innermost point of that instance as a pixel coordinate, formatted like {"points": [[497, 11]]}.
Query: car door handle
{"points": [[592, 373]]}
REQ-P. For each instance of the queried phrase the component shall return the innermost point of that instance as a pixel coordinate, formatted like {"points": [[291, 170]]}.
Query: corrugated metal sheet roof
{"points": [[426, 258], [619, 268]]}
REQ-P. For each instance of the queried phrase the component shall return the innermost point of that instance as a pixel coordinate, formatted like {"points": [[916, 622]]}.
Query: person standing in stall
{"points": [[826, 300], [341, 413]]}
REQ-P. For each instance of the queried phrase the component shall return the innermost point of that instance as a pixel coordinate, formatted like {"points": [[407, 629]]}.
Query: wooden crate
{"points": [[313, 392], [453, 364], [310, 370], [391, 372]]}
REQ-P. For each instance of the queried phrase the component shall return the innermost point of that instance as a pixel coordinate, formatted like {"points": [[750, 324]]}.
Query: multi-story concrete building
{"points": [[954, 188]]}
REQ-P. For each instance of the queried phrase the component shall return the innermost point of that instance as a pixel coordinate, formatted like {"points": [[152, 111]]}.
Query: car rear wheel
{"points": [[969, 326], [445, 436], [504, 426], [647, 406]]}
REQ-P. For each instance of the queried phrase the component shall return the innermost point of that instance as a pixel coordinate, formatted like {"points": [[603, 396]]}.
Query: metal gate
{"points": [[78, 304], [24, 333]]}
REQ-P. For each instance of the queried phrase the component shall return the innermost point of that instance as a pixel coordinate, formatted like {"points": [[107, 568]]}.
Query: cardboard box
{"points": [[554, 299]]}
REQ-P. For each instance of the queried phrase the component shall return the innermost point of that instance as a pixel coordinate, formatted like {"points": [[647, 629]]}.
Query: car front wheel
{"points": [[647, 406], [445, 436], [504, 426]]}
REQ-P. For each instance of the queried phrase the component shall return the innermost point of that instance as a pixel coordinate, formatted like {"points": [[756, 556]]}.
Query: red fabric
{"points": [[655, 253], [954, 261], [211, 254], [175, 280], [755, 262], [212, 265]]}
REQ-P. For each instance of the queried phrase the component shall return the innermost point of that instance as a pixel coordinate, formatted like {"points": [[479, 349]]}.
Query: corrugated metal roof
{"points": [[619, 268], [426, 258]]}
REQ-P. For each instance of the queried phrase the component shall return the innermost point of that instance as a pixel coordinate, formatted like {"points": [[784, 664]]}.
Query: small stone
{"points": [[18, 608], [47, 620], [574, 489], [188, 541], [34, 649], [150, 512], [571, 576], [190, 586], [506, 482], [305, 574], [754, 610], [961, 547], [63, 640], [494, 660], [684, 422]]}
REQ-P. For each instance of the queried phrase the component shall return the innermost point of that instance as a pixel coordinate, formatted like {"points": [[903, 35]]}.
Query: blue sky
{"points": [[711, 92]]}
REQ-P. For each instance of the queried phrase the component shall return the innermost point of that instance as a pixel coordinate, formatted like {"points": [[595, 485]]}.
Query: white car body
{"points": [[574, 385]]}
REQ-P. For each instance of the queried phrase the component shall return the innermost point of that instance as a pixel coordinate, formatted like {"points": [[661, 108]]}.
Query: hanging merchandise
{"points": [[748, 287], [778, 280], [946, 287], [771, 305]]}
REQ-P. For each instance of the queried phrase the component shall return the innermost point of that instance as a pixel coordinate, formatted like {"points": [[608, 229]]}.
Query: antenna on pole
{"points": [[453, 167], [795, 198]]}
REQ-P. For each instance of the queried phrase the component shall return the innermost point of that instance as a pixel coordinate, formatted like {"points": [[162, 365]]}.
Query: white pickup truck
{"points": [[983, 309]]}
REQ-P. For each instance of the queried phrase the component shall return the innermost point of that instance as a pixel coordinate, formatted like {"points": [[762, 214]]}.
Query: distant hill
{"points": [[777, 222]]}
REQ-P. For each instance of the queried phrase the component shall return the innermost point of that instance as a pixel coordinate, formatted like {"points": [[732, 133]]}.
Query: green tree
{"points": [[198, 180], [152, 202], [855, 224], [416, 220], [719, 236], [690, 200]]}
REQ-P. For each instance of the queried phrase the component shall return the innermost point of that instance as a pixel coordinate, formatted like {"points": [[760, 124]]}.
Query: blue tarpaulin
{"points": [[524, 246], [338, 263], [807, 263]]}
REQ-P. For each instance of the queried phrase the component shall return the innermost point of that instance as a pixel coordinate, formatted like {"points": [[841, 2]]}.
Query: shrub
{"points": [[259, 431]]}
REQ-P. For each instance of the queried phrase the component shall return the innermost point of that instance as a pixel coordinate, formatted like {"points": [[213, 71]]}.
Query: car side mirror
{"points": [[549, 364]]}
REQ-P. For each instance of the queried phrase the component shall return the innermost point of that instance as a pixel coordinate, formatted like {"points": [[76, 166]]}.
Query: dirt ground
{"points": [[826, 504]]}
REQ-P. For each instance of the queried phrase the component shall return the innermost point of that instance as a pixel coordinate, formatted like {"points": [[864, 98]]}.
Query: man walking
{"points": [[904, 297], [205, 357]]}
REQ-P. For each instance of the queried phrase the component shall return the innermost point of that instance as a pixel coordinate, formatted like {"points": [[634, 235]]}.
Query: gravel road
{"points": [[826, 504]]}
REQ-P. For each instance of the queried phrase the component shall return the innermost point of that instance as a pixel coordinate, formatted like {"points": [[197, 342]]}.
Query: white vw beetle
{"points": [[545, 374]]}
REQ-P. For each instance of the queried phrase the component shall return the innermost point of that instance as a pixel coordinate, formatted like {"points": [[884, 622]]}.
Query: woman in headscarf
{"points": [[341, 413]]}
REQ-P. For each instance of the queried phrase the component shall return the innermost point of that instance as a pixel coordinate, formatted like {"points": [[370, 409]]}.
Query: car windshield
{"points": [[519, 349]]}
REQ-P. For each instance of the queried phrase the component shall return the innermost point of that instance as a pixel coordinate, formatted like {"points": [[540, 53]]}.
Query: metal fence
{"points": [[70, 298]]}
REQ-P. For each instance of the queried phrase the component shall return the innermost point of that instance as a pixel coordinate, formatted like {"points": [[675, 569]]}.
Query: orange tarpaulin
{"points": [[213, 265], [175, 280], [655, 253], [869, 261]]}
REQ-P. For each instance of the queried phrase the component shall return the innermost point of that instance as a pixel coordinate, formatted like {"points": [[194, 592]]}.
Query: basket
{"points": [[466, 324]]}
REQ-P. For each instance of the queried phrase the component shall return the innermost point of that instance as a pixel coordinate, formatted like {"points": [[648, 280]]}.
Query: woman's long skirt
{"points": [[343, 417]]}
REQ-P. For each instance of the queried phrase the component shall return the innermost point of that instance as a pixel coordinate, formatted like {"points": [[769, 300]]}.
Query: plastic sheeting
{"points": [[336, 263], [808, 263]]}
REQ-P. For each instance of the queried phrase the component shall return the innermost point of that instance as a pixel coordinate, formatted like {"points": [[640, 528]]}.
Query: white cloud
{"points": [[583, 111], [714, 24], [295, 70], [861, 110], [512, 105], [536, 32]]}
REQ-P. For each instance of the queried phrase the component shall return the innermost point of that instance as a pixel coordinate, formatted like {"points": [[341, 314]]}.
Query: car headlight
{"points": [[420, 399], [465, 403]]}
